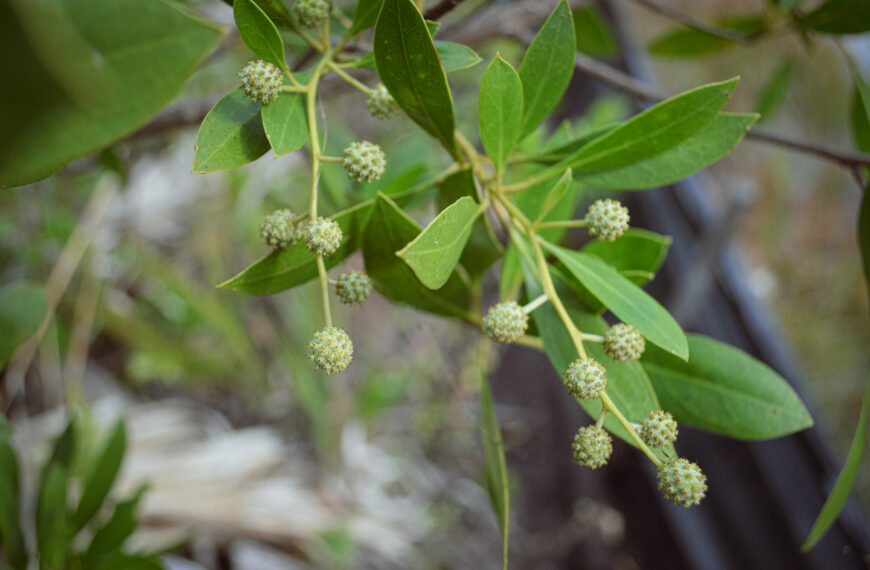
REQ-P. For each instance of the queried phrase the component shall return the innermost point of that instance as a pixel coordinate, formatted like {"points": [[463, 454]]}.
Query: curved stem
{"points": [[324, 290], [629, 427], [349, 78]]}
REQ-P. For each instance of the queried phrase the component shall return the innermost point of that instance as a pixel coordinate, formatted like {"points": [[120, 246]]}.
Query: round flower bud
{"points": [[592, 446], [278, 229], [585, 378], [624, 343], [505, 322], [331, 350], [682, 482], [658, 429], [323, 236], [607, 219], [364, 161], [381, 104], [312, 13], [261, 81], [353, 287]]}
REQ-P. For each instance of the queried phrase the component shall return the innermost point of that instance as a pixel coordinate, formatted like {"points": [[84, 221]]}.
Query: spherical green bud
{"points": [[505, 322], [323, 236], [381, 104], [353, 287], [331, 350], [682, 482], [261, 81], [592, 446], [585, 378], [278, 229], [364, 161], [312, 13], [658, 429], [607, 219], [624, 343]]}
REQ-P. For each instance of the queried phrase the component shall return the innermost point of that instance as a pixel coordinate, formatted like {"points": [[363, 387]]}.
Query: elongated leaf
{"points": [[53, 535], [861, 113], [500, 109], [434, 253], [87, 74], [288, 268], [117, 529], [99, 481], [845, 480], [456, 57], [724, 390], [482, 249], [285, 123], [11, 537], [689, 42], [230, 136], [547, 67], [495, 465], [839, 17], [773, 94], [411, 71], [592, 33], [711, 143], [365, 16], [636, 250], [627, 383], [259, 32], [511, 278], [387, 230], [654, 131], [22, 307], [626, 300], [555, 195], [864, 235]]}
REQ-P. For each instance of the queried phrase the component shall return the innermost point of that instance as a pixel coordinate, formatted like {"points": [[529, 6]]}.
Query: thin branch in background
{"points": [[438, 11], [690, 22]]}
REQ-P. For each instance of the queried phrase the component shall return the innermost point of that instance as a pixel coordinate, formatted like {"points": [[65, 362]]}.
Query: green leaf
{"points": [[285, 123], [87, 74], [627, 383], [654, 131], [839, 17], [434, 253], [592, 33], [53, 535], [773, 93], [547, 67], [864, 235], [22, 307], [433, 27], [117, 529], [365, 16], [689, 42], [411, 71], [287, 268], [556, 194], [103, 472], [845, 480], [711, 143], [456, 57], [500, 109], [388, 229], [230, 136], [626, 300], [11, 537], [636, 250], [259, 33], [495, 465], [724, 390], [861, 113], [511, 278], [482, 249]]}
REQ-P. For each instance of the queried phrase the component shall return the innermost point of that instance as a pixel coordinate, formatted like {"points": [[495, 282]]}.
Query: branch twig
{"points": [[690, 22], [441, 8]]}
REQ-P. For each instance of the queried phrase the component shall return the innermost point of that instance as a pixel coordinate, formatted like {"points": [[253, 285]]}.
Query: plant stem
{"points": [[349, 78], [561, 224], [535, 304], [297, 88], [324, 290], [629, 427], [324, 158]]}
